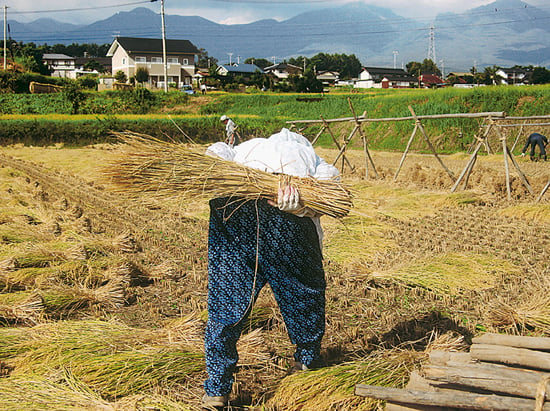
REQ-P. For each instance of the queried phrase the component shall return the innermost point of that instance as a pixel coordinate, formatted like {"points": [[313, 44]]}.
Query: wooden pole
{"points": [[520, 173], [344, 145], [507, 168], [496, 114], [467, 177], [511, 355], [368, 157], [468, 167], [518, 341], [318, 134], [336, 141], [518, 136], [456, 399], [405, 152], [543, 191], [492, 377], [449, 172]]}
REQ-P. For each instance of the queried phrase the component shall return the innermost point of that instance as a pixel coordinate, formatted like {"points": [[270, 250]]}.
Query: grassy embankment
{"points": [[31, 119]]}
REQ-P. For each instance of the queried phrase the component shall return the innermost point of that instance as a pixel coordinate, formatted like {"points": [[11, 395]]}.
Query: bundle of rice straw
{"points": [[166, 169]]}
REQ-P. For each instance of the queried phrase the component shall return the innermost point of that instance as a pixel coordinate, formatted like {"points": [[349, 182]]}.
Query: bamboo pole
{"points": [[506, 166], [467, 177], [447, 399], [421, 128], [405, 152]]}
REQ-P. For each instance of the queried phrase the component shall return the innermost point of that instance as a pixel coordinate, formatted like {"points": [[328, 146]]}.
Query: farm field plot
{"points": [[103, 298]]}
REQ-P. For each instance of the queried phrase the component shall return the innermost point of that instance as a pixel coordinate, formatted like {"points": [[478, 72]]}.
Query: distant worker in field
{"points": [[535, 139], [230, 131]]}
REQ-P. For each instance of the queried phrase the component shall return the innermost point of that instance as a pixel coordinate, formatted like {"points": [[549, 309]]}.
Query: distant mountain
{"points": [[505, 32]]}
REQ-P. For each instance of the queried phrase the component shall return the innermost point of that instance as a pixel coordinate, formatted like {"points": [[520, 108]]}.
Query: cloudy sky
{"points": [[223, 11]]}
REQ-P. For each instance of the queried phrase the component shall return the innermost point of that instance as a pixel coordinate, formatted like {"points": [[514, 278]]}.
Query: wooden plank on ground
{"points": [[533, 343], [457, 399], [491, 377], [511, 355]]}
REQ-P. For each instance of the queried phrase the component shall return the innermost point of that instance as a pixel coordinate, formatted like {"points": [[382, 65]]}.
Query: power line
{"points": [[83, 8]]}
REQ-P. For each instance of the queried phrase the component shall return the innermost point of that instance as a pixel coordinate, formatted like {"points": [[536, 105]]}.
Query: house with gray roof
{"points": [[244, 70], [60, 65], [379, 77], [130, 53]]}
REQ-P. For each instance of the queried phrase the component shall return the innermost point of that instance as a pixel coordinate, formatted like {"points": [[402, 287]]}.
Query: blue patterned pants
{"points": [[250, 244]]}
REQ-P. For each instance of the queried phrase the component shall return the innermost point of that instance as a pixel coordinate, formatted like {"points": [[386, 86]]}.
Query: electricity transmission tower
{"points": [[431, 44]]}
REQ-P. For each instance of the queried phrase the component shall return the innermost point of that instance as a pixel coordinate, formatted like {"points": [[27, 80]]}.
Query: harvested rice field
{"points": [[103, 297]]}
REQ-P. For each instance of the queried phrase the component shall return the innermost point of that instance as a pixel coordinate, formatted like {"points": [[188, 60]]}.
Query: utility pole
{"points": [[164, 47], [5, 35], [230, 55]]}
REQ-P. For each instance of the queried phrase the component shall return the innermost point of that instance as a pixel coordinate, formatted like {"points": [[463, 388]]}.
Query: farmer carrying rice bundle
{"points": [[252, 243]]}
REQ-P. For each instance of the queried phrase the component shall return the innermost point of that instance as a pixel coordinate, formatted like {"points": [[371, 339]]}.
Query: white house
{"points": [[130, 53], [378, 77], [282, 71], [514, 76], [60, 65]]}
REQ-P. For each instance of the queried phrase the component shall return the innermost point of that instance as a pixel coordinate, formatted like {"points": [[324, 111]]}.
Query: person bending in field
{"points": [[252, 243], [534, 140], [230, 131]]}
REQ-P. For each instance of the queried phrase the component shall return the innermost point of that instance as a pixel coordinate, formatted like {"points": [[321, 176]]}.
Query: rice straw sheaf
{"points": [[166, 169]]}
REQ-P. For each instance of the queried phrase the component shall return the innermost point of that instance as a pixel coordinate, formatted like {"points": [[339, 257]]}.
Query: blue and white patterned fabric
{"points": [[250, 244]]}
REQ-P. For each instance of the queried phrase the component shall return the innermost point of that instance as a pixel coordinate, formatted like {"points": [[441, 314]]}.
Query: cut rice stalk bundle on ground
{"points": [[23, 307], [37, 393], [113, 359], [333, 388], [148, 165]]}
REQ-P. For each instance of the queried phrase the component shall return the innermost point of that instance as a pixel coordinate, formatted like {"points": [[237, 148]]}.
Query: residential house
{"points": [[328, 77], [430, 81], [106, 62], [379, 77], [130, 53], [283, 71], [60, 65], [514, 76], [243, 70]]}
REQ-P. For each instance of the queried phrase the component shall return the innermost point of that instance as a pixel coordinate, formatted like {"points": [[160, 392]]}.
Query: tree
{"points": [[94, 65], [120, 76], [204, 60], [142, 75], [307, 83], [541, 75], [73, 94], [261, 63], [415, 69]]}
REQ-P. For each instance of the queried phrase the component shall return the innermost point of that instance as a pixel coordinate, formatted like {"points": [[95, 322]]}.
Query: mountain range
{"points": [[504, 33]]}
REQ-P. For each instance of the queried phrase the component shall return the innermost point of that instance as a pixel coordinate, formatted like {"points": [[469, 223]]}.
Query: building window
{"points": [[185, 62], [156, 59], [124, 61], [141, 60], [172, 60]]}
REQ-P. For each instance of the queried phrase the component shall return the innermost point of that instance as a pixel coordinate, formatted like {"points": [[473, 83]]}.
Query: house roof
{"points": [[431, 79], [515, 71], [135, 45], [391, 74], [242, 68], [54, 56], [282, 67]]}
